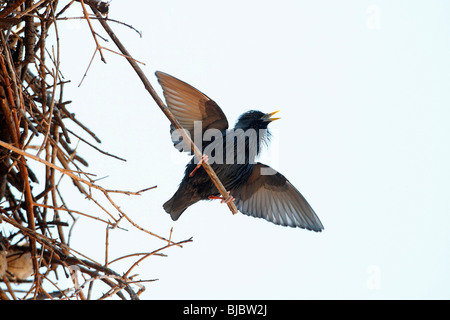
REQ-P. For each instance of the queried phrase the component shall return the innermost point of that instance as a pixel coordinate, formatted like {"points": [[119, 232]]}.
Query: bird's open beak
{"points": [[268, 116]]}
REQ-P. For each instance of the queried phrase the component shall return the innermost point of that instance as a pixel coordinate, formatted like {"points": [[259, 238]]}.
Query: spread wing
{"points": [[268, 194], [188, 105]]}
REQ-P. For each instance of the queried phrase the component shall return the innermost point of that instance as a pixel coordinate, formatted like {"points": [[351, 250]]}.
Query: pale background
{"points": [[363, 89]]}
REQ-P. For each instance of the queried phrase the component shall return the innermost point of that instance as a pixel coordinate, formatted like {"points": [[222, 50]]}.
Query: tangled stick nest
{"points": [[37, 151]]}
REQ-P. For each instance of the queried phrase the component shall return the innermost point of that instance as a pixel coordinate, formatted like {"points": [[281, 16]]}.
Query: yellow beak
{"points": [[269, 115]]}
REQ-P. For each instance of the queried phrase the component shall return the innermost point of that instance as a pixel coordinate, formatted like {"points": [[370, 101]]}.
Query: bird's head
{"points": [[254, 119]]}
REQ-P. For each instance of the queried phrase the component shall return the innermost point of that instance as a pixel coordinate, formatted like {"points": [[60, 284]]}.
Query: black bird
{"points": [[257, 189]]}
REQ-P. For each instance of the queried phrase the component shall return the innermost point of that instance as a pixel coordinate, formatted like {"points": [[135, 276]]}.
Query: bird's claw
{"points": [[223, 200], [203, 159]]}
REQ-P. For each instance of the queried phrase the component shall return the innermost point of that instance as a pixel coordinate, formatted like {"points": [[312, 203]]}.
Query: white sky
{"points": [[363, 89]]}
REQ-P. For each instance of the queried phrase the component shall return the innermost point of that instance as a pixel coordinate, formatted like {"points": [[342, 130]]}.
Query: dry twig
{"points": [[35, 136]]}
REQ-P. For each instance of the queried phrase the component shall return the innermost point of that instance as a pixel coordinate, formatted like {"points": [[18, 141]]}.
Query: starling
{"points": [[257, 189]]}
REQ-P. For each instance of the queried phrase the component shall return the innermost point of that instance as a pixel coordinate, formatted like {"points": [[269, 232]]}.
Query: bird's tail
{"points": [[177, 204]]}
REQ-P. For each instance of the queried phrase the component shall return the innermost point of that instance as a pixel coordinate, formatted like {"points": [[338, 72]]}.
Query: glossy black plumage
{"points": [[259, 190]]}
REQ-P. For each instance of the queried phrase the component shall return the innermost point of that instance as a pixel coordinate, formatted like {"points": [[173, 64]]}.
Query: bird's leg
{"points": [[230, 198], [204, 158]]}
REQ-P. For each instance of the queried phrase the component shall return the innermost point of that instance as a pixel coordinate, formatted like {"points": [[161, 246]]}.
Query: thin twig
{"points": [[93, 146], [155, 252], [88, 183], [35, 215], [107, 19]]}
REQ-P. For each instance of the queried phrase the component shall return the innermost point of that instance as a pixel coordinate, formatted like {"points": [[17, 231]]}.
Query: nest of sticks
{"points": [[36, 152]]}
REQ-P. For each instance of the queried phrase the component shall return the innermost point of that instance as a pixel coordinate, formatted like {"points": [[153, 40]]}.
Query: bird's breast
{"points": [[234, 146]]}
